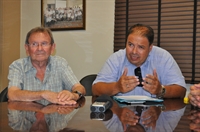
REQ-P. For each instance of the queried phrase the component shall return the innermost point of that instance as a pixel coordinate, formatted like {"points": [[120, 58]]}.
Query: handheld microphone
{"points": [[101, 104]]}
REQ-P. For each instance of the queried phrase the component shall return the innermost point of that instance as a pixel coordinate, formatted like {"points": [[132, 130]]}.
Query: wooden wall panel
{"points": [[9, 36]]}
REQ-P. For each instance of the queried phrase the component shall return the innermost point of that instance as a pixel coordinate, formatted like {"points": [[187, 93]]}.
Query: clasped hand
{"points": [[64, 97], [194, 95], [128, 83], [63, 109], [194, 117]]}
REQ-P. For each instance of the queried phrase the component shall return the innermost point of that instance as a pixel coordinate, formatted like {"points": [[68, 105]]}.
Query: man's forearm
{"points": [[15, 94], [105, 88], [27, 106], [175, 91]]}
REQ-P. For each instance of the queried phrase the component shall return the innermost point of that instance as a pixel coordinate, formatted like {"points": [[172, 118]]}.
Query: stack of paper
{"points": [[136, 99]]}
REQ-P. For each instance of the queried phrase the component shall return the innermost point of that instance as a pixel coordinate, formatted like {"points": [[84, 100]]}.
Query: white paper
{"points": [[136, 99]]}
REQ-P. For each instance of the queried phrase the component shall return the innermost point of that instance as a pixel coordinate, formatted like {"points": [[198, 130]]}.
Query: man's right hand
{"points": [[127, 83]]}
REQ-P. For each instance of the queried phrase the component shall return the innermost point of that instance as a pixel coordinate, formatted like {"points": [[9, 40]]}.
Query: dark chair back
{"points": [[3, 95], [87, 83]]}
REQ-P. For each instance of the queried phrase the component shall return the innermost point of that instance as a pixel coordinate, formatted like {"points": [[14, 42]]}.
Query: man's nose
{"points": [[40, 46], [134, 50]]}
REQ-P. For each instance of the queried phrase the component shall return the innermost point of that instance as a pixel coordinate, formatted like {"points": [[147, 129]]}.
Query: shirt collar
{"points": [[49, 64], [29, 66], [144, 64]]}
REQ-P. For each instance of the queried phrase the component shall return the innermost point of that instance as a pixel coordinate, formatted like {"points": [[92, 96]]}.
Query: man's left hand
{"points": [[151, 83], [66, 97]]}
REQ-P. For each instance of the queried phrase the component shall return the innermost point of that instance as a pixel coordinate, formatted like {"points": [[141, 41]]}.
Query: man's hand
{"points": [[127, 83], [61, 109], [66, 97], [152, 84], [194, 117], [194, 95], [150, 116], [51, 96], [128, 117]]}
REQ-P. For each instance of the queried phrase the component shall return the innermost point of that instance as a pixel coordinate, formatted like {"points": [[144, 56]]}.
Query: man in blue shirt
{"points": [[41, 76], [140, 69]]}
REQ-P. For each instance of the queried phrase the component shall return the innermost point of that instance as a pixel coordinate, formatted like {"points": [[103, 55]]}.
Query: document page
{"points": [[136, 99]]}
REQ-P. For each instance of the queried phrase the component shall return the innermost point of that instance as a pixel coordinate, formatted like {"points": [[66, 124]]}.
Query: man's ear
{"points": [[26, 48], [150, 47], [53, 47]]}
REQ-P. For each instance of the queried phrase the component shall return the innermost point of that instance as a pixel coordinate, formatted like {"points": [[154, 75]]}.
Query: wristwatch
{"points": [[162, 108], [79, 93], [162, 92]]}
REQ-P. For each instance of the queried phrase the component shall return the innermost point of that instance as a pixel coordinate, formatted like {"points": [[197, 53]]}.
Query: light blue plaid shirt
{"points": [[20, 120], [166, 67], [58, 76]]}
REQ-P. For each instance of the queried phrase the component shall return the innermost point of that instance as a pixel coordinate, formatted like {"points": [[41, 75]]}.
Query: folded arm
{"points": [[16, 94]]}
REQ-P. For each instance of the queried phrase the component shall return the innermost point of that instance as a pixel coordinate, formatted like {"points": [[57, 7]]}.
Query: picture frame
{"points": [[63, 14]]}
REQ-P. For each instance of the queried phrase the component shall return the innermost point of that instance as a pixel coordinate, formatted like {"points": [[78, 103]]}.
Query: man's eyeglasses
{"points": [[36, 44], [138, 73]]}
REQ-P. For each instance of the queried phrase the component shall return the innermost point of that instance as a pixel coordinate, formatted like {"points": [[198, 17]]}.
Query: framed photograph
{"points": [[63, 14]]}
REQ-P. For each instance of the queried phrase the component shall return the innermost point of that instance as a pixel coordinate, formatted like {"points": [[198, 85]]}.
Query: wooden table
{"points": [[81, 121]]}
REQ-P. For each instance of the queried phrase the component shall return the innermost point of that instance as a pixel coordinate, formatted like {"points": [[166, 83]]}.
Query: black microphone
{"points": [[101, 104]]}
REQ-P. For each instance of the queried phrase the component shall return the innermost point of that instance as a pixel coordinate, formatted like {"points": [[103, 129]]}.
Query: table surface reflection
{"points": [[81, 121]]}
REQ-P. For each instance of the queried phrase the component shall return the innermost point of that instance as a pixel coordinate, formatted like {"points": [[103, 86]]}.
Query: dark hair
{"points": [[39, 29], [143, 30]]}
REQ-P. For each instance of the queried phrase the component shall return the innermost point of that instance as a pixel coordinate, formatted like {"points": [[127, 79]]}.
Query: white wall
{"points": [[85, 50]]}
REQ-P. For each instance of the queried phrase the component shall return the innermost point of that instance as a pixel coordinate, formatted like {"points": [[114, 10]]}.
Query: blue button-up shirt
{"points": [[58, 75], [166, 67]]}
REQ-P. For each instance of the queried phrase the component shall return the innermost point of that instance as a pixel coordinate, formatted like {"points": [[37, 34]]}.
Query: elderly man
{"points": [[42, 76], [140, 69]]}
